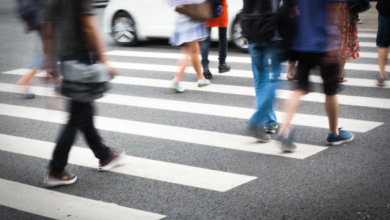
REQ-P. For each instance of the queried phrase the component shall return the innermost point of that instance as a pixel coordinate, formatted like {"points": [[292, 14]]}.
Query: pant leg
{"points": [[265, 113], [205, 45], [66, 139], [223, 44], [94, 140]]}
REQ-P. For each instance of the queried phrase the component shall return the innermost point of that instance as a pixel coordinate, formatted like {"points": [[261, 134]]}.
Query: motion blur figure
{"points": [[188, 33], [31, 11], [221, 22], [70, 34], [383, 38], [262, 47], [316, 43]]}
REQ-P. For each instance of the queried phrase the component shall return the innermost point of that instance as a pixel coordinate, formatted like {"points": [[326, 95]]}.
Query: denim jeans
{"points": [[264, 86], [81, 118], [222, 47]]}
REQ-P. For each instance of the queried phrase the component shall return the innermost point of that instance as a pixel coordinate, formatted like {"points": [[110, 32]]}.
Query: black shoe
{"points": [[258, 133], [206, 72], [223, 68], [271, 128]]}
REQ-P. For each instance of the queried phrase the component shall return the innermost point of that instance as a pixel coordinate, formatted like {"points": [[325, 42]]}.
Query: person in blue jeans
{"points": [[262, 49], [316, 43]]}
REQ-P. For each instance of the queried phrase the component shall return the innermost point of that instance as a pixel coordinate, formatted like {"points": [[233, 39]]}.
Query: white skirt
{"points": [[188, 30]]}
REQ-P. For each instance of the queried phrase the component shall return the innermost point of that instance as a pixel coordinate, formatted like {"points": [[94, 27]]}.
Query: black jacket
{"points": [[383, 7]]}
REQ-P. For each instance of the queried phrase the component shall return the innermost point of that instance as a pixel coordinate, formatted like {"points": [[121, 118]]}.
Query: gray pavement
{"points": [[344, 182]]}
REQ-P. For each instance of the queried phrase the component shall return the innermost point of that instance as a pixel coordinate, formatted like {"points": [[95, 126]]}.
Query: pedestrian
{"points": [[221, 22], [31, 11], [383, 38], [349, 47], [316, 44], [262, 47], [70, 33], [188, 33]]}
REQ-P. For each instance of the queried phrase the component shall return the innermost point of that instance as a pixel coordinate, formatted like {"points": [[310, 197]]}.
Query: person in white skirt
{"points": [[187, 34]]}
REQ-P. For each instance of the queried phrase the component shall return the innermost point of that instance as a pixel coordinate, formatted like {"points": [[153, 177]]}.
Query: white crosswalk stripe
{"points": [[364, 35], [208, 109], [210, 57], [136, 166], [212, 139], [234, 73], [58, 205], [248, 91]]}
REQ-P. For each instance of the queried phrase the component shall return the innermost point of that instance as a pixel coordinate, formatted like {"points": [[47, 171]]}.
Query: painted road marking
{"points": [[201, 137], [209, 109], [58, 205], [247, 91], [136, 166]]}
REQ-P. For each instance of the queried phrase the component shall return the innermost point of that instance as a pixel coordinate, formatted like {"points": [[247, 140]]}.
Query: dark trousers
{"points": [[81, 118], [222, 48]]}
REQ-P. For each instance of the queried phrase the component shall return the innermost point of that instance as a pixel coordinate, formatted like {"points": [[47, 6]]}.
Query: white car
{"points": [[130, 21]]}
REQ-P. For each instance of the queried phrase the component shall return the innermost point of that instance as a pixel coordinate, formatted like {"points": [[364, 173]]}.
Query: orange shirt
{"points": [[222, 20]]}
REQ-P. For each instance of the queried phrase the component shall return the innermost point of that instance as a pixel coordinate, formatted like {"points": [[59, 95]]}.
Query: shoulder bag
{"points": [[199, 12]]}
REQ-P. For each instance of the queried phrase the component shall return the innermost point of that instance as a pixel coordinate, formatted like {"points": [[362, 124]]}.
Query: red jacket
{"points": [[222, 20]]}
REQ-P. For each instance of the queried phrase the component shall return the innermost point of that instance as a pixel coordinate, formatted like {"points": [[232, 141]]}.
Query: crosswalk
{"points": [[46, 202]]}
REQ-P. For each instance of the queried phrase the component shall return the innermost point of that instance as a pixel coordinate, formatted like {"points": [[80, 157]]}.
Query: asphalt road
{"points": [[345, 182]]}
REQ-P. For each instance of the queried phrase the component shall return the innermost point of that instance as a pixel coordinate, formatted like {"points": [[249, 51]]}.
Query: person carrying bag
{"points": [[70, 33]]}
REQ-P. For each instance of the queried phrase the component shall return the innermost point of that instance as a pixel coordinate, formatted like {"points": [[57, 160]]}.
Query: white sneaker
{"points": [[114, 160]]}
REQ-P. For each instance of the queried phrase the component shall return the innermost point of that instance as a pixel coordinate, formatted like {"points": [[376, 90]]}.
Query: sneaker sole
{"points": [[202, 85], [119, 161], [270, 131], [263, 140], [53, 183], [341, 142], [288, 149], [225, 71]]}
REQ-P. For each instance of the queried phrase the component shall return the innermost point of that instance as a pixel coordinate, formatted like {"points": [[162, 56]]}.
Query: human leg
{"points": [[383, 53], [222, 50], [193, 52], [291, 70], [341, 71], [329, 74], [205, 46]]}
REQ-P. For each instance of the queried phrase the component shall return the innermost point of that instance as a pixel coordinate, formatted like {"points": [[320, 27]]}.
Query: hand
{"points": [[110, 70], [27, 30]]}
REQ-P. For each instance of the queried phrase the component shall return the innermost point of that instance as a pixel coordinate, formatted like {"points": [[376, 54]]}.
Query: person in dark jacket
{"points": [[383, 38], [263, 46], [70, 33]]}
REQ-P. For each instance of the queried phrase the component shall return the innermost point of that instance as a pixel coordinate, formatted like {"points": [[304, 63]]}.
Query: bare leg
{"points": [[332, 109], [25, 80], [182, 64], [383, 53], [291, 70], [291, 106], [193, 49], [341, 74]]}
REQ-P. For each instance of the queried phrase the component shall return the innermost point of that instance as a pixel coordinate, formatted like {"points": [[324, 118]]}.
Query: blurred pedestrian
{"points": [[221, 22], [70, 33], [31, 11], [187, 34], [316, 43], [383, 38], [263, 45], [349, 47]]}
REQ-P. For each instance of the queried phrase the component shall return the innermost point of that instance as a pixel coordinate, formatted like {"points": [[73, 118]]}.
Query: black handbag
{"points": [[358, 6]]}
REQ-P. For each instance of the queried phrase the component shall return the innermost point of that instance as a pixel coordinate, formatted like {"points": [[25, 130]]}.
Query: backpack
{"points": [[216, 7], [258, 21], [358, 6], [29, 10]]}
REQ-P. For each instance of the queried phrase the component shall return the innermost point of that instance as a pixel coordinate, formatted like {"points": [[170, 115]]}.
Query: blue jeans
{"points": [[264, 86], [222, 47]]}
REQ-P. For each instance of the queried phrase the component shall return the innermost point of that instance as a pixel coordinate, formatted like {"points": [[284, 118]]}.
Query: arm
{"points": [[92, 38]]}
